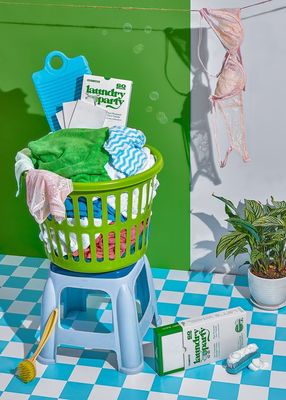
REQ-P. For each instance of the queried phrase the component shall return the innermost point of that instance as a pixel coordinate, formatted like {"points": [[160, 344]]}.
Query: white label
{"points": [[172, 360], [111, 94]]}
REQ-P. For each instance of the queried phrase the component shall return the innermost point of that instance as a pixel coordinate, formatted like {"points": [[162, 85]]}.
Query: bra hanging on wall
{"points": [[227, 100]]}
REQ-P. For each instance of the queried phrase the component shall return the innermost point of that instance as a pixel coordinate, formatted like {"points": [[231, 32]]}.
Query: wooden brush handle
{"points": [[46, 333]]}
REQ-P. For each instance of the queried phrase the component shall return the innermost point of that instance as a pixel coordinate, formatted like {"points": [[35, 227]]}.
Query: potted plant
{"points": [[259, 231]]}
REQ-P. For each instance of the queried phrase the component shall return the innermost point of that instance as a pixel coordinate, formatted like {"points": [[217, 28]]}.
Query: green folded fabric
{"points": [[74, 153]]}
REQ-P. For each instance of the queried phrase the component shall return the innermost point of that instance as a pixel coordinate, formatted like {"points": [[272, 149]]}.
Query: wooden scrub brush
{"points": [[27, 369]]}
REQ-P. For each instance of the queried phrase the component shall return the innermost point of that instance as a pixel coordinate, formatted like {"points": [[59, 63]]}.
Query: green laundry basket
{"points": [[112, 245]]}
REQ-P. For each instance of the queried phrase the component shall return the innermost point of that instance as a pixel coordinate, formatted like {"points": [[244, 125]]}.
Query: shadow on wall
{"points": [[209, 262], [201, 145], [201, 142], [18, 127], [178, 38]]}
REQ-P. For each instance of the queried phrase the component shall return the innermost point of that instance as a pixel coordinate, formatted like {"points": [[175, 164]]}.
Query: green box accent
{"points": [[159, 332]]}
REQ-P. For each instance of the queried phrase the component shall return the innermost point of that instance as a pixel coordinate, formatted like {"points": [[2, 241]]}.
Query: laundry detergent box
{"points": [[111, 94], [198, 341]]}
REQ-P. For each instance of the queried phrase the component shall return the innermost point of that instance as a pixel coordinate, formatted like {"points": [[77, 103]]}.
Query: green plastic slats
{"points": [[129, 222], [78, 231], [76, 211], [139, 222], [67, 238], [146, 213], [105, 229], [143, 184], [118, 224], [93, 229]]}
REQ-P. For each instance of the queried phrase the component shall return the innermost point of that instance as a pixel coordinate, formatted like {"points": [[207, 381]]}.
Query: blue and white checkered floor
{"points": [[88, 374]]}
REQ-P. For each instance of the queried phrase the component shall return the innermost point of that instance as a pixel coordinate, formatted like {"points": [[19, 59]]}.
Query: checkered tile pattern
{"points": [[90, 374]]}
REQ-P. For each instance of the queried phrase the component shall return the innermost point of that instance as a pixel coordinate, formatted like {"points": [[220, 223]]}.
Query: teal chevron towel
{"points": [[125, 148]]}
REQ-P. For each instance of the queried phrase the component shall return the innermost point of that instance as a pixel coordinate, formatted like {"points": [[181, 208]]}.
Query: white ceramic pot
{"points": [[267, 292]]}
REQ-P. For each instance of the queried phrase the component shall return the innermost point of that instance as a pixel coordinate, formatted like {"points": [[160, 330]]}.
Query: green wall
{"points": [[124, 44]]}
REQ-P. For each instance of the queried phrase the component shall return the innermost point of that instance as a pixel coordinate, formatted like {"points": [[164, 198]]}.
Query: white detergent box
{"points": [[111, 94], [198, 341]]}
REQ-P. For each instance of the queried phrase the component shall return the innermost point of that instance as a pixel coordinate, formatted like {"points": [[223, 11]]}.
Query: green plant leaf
{"points": [[278, 211], [268, 220], [232, 240], [224, 241], [261, 232], [256, 255], [230, 250], [244, 226], [234, 249], [228, 211], [240, 250], [274, 237], [267, 208], [253, 210], [227, 202], [245, 263], [278, 204]]}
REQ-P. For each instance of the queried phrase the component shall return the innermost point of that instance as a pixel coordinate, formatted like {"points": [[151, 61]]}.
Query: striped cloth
{"points": [[125, 147]]}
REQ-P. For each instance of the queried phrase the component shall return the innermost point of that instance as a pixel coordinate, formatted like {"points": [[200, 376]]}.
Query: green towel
{"points": [[77, 154]]}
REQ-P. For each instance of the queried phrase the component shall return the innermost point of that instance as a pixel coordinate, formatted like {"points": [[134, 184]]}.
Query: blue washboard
{"points": [[57, 86]]}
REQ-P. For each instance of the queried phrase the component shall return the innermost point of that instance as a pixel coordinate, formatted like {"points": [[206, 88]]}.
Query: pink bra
{"points": [[231, 79]]}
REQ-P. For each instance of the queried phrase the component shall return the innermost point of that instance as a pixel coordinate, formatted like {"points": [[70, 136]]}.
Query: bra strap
{"points": [[223, 162], [199, 46]]}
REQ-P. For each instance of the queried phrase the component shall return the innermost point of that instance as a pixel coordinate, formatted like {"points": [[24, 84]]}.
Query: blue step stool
{"points": [[124, 287]]}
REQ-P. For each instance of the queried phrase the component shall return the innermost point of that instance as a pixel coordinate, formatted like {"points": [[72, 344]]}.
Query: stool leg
{"points": [[48, 354], [142, 290], [156, 318], [74, 300], [126, 329]]}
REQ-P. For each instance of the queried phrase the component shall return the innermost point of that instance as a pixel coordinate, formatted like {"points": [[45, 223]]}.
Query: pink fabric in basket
{"points": [[46, 193]]}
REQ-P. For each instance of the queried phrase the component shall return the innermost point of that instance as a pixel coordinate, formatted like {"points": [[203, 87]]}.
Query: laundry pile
{"points": [[58, 159], [97, 153]]}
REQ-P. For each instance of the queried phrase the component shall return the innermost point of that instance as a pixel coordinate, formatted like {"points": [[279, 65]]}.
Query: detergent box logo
{"points": [[239, 325], [113, 98], [111, 94], [201, 339]]}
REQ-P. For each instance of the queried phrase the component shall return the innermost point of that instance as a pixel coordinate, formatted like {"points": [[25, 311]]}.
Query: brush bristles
{"points": [[26, 371]]}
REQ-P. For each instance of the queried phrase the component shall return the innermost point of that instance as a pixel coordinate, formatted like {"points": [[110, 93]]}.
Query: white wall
{"points": [[264, 55]]}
